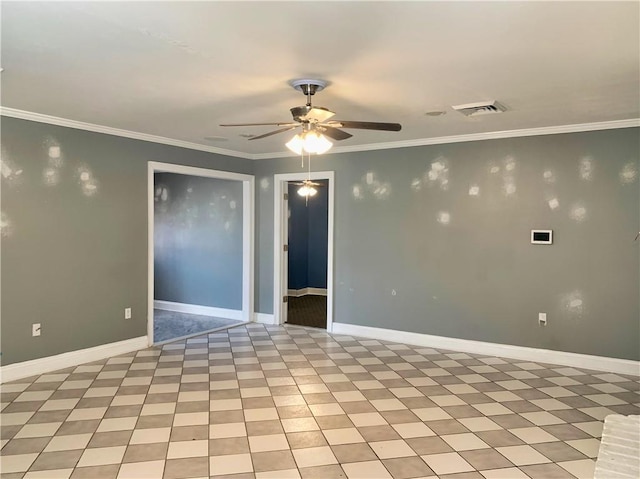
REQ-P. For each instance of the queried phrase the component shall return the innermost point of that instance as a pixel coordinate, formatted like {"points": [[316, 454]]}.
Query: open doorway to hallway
{"points": [[201, 251], [308, 222], [310, 303]]}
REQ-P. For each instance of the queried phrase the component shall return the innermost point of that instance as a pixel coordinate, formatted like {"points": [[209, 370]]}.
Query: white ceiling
{"points": [[178, 69]]}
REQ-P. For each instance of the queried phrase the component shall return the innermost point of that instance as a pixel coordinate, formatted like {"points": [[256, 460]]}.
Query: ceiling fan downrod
{"points": [[308, 87]]}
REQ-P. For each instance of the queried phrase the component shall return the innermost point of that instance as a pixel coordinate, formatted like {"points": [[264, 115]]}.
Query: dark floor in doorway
{"points": [[169, 324], [308, 310]]}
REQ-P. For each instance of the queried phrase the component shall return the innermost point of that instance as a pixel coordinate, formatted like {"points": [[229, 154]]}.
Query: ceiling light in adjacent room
{"points": [[307, 191]]}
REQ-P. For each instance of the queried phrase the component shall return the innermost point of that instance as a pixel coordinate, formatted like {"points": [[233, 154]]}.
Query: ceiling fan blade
{"points": [[334, 133], [281, 130], [366, 125], [306, 183], [260, 124], [309, 113]]}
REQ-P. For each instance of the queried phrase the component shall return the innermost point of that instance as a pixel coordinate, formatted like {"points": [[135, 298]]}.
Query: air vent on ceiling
{"points": [[480, 108]]}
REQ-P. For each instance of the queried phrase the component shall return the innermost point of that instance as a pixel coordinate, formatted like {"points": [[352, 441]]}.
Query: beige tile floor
{"points": [[289, 402]]}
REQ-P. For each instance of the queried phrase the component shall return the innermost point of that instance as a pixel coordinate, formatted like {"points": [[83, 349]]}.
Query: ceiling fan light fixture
{"points": [[307, 191], [309, 142], [316, 143], [295, 144]]}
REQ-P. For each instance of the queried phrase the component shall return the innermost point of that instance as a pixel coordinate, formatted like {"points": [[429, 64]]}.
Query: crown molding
{"points": [[107, 130], [441, 140], [490, 135]]}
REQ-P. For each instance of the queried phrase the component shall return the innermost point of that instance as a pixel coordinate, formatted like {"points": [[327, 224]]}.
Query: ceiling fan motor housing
{"points": [[299, 112], [311, 114]]}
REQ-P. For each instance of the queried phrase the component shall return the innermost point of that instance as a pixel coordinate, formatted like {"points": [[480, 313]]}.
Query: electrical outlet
{"points": [[542, 319], [35, 329], [127, 313]]}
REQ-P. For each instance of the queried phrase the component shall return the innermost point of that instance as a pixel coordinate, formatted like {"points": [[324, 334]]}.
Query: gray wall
{"points": [[74, 235], [198, 240], [448, 227], [74, 238]]}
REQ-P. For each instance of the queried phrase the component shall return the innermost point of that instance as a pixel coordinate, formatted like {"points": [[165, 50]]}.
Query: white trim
{"points": [[39, 366], [159, 167], [279, 181], [248, 247], [490, 135], [584, 361], [150, 251], [264, 318], [107, 130], [317, 291], [296, 293], [197, 309], [248, 225]]}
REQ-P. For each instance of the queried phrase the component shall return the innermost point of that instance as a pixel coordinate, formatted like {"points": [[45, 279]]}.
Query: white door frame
{"points": [[248, 225], [280, 218]]}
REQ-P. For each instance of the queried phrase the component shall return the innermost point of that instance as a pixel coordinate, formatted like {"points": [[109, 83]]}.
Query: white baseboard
{"points": [[304, 291], [264, 318], [39, 366], [584, 361], [197, 309]]}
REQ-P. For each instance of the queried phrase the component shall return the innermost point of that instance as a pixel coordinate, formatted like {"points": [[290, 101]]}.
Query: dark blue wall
{"points": [[308, 224], [298, 240]]}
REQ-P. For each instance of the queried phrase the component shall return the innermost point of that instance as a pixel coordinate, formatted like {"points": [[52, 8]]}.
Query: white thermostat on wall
{"points": [[541, 236]]}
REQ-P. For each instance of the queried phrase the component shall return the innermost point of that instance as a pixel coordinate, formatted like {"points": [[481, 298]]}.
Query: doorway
{"points": [[308, 304], [308, 220], [200, 251]]}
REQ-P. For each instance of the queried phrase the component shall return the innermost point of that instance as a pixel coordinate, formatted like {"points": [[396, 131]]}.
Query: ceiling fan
{"points": [[316, 122], [307, 187], [306, 183]]}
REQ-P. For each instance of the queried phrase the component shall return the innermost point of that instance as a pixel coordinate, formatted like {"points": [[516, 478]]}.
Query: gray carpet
{"points": [[169, 324]]}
